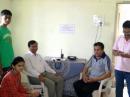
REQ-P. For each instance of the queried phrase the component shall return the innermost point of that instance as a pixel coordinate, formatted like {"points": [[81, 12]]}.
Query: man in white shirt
{"points": [[38, 68]]}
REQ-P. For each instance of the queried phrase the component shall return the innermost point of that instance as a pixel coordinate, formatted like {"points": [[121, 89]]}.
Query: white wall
{"points": [[123, 15], [5, 4], [40, 20]]}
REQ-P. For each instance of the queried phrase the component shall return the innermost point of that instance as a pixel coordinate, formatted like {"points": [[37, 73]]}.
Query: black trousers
{"points": [[85, 89]]}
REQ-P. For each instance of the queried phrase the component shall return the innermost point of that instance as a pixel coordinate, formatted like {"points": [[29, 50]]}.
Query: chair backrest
{"points": [[108, 84]]}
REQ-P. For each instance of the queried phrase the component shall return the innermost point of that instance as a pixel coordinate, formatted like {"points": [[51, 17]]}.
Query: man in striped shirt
{"points": [[98, 68]]}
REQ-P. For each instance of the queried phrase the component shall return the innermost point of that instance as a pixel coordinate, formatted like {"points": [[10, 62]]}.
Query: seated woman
{"points": [[11, 83]]}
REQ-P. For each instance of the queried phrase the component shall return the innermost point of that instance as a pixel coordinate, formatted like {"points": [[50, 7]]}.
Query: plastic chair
{"points": [[104, 92], [39, 86], [32, 83]]}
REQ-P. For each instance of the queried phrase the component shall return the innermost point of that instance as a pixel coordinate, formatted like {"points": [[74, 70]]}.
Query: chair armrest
{"points": [[81, 75], [104, 83]]}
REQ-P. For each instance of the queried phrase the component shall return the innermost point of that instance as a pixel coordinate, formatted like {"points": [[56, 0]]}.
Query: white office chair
{"points": [[104, 92], [40, 87], [25, 80]]}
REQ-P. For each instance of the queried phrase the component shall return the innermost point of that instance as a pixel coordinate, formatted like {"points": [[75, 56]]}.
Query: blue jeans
{"points": [[120, 77]]}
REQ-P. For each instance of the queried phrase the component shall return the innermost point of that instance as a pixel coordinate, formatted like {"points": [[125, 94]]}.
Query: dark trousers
{"points": [[120, 77], [85, 89]]}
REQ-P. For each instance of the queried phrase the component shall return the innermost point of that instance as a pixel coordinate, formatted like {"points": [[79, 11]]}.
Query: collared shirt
{"points": [[121, 63], [98, 67], [11, 86], [35, 64]]}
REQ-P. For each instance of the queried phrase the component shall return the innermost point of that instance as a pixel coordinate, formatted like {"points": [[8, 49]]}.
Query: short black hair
{"points": [[31, 42], [99, 44], [17, 60], [126, 24], [6, 12]]}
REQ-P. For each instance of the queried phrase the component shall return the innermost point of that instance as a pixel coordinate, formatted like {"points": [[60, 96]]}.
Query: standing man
{"points": [[121, 51], [38, 68], [97, 69], [6, 48]]}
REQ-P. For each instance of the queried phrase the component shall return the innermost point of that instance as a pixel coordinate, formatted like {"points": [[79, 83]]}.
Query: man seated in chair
{"points": [[40, 70], [98, 68]]}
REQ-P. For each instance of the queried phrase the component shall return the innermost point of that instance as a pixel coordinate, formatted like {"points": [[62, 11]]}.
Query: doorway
{"points": [[122, 15]]}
